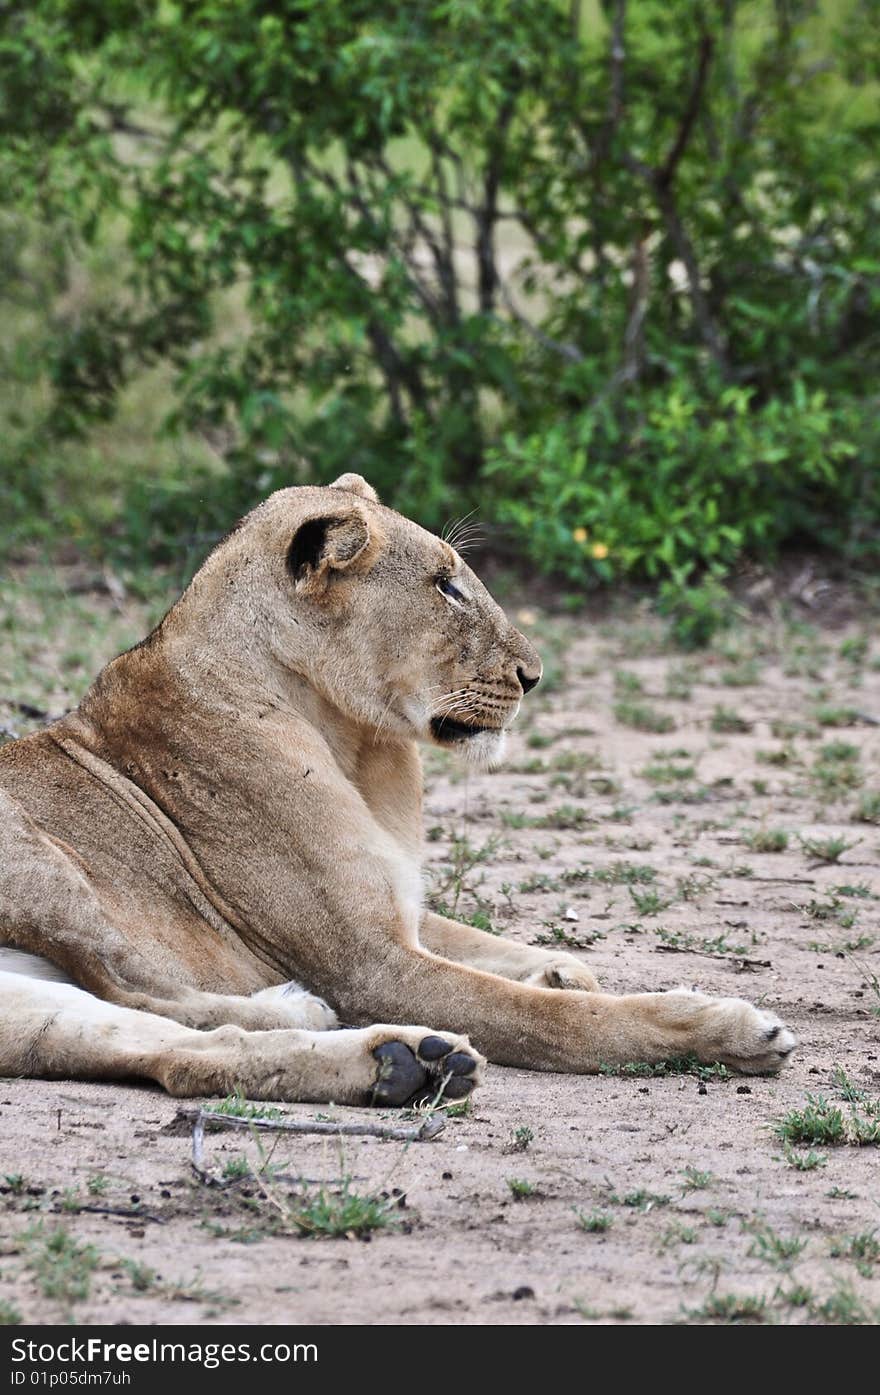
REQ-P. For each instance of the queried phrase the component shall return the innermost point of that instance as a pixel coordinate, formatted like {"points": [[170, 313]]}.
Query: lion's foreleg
{"points": [[542, 968], [518, 1025]]}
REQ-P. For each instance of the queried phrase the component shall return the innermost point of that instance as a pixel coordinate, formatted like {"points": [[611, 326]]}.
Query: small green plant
{"points": [[16, 1182], [836, 716], [695, 610], [668, 772], [9, 1314], [594, 1222], [97, 1185], [729, 723], [782, 756], [698, 944], [238, 1107], [798, 1296], [626, 683], [868, 808], [456, 878], [839, 751], [818, 1122], [829, 849], [327, 1213], [823, 1122], [539, 740], [693, 886], [675, 1065], [520, 1139], [618, 874], [558, 935], [804, 1162], [731, 1308], [62, 1266], [854, 650], [678, 1234], [744, 674], [863, 1249], [769, 1245], [641, 717], [832, 778], [236, 1168], [142, 1276], [844, 1308], [679, 684], [642, 1199], [462, 1109], [649, 902], [520, 1188], [847, 1089], [767, 840], [695, 1180]]}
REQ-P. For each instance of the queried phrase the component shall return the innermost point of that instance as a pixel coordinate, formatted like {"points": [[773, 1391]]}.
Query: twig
{"points": [[556, 346], [666, 172], [421, 1133], [795, 881], [129, 1212]]}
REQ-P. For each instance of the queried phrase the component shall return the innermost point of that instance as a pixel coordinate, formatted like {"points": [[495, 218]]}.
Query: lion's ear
{"points": [[356, 484], [322, 546]]}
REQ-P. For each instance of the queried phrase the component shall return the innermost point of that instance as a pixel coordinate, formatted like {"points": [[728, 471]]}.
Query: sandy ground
{"points": [[636, 844]]}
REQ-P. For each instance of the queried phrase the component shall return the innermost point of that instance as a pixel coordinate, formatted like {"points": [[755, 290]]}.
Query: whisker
{"points": [[453, 525], [460, 529]]}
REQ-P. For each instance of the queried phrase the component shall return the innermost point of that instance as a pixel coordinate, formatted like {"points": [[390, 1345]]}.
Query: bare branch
{"points": [[487, 214], [685, 251], [556, 346], [666, 172], [433, 1125], [617, 67]]}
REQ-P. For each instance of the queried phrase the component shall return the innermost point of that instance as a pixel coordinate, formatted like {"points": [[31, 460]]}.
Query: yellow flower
{"points": [[579, 535], [599, 550]]}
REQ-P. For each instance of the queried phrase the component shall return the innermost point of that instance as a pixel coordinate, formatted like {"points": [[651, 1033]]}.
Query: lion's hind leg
{"points": [[56, 1031], [55, 923]]}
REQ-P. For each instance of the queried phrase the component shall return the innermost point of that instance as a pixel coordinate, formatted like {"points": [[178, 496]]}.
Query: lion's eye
{"points": [[446, 587]]}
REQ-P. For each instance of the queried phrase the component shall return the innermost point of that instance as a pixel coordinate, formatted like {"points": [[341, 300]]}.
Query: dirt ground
{"points": [[640, 1198]]}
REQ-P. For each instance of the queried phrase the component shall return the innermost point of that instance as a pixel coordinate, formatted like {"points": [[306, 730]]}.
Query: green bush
{"points": [[610, 274], [683, 477]]}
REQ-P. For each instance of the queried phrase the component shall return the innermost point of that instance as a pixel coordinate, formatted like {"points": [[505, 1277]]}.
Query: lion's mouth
{"points": [[446, 729]]}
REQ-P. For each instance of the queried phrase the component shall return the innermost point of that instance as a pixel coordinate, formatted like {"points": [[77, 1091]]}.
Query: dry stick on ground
{"points": [[422, 1133], [130, 1213], [795, 881]]}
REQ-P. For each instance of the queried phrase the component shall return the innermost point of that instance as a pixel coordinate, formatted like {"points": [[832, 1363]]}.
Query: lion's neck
{"points": [[157, 697]]}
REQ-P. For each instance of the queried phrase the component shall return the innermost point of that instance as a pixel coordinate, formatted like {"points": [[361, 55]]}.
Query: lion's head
{"points": [[384, 620]]}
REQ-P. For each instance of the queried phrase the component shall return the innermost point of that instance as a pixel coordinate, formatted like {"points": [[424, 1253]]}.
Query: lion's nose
{"points": [[526, 681]]}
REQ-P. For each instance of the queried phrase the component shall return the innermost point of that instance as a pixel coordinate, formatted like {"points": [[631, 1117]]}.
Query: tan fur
{"points": [[236, 804]]}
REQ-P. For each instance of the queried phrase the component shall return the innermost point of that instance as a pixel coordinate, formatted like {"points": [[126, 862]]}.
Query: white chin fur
{"points": [[485, 750]]}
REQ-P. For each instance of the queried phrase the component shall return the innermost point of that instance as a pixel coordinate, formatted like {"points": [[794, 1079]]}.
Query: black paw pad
{"points": [[459, 1063], [433, 1048], [400, 1075], [457, 1088]]}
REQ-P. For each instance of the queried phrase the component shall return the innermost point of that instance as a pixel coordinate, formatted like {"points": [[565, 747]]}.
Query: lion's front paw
{"points": [[417, 1065], [564, 971], [299, 1007], [747, 1038]]}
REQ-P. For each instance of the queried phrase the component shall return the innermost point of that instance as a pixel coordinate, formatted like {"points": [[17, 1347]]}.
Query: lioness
{"points": [[221, 844]]}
